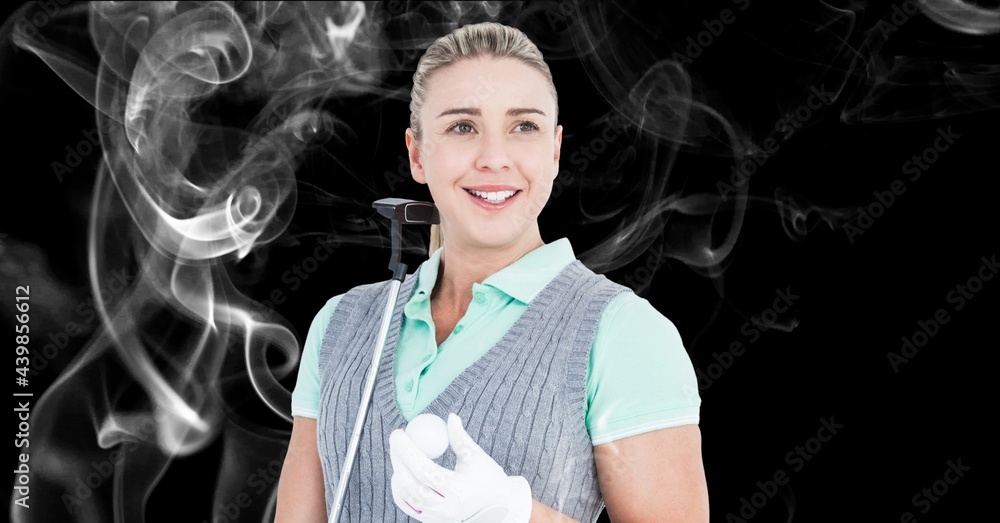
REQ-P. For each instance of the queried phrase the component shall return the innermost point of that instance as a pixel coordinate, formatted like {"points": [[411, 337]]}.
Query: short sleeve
{"points": [[305, 397], [640, 377]]}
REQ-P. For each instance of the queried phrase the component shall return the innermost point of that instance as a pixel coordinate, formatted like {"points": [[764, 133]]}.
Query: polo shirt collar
{"points": [[521, 280]]}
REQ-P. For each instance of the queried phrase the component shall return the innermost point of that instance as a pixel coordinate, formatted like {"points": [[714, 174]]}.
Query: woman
{"points": [[564, 392]]}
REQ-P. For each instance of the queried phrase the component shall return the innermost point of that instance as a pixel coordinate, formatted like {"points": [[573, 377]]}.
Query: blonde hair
{"points": [[486, 39]]}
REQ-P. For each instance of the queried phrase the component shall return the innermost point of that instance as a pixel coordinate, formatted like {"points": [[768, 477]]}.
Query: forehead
{"points": [[496, 83]]}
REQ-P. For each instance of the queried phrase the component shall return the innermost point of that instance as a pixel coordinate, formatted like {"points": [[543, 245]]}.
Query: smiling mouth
{"points": [[494, 197]]}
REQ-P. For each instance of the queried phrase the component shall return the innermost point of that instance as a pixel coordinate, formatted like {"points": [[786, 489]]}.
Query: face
{"points": [[488, 126]]}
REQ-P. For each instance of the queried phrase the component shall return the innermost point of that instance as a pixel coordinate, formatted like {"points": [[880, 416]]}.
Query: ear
{"points": [[558, 153], [416, 168]]}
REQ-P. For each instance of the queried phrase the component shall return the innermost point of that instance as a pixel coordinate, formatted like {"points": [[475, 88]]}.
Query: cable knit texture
{"points": [[523, 401]]}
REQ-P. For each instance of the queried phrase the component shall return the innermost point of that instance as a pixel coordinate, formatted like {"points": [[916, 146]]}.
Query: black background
{"points": [[856, 298]]}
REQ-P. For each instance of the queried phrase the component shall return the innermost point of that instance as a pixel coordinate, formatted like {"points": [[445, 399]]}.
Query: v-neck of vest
{"points": [[385, 391]]}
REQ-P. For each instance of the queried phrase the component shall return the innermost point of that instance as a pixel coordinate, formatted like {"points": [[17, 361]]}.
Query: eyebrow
{"points": [[475, 111]]}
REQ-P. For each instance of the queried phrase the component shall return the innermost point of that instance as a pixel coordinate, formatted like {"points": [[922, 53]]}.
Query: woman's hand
{"points": [[478, 490], [655, 476]]}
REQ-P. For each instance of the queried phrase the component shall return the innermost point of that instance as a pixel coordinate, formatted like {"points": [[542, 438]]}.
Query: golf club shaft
{"points": [[352, 448]]}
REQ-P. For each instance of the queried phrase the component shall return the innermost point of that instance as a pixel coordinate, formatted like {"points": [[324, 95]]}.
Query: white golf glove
{"points": [[478, 490]]}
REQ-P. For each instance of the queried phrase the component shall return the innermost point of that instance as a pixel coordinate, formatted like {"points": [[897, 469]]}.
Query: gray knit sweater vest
{"points": [[523, 401]]}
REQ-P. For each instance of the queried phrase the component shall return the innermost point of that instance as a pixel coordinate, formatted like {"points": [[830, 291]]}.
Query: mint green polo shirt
{"points": [[639, 376]]}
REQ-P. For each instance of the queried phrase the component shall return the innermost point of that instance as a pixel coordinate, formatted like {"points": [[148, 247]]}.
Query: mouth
{"points": [[493, 200]]}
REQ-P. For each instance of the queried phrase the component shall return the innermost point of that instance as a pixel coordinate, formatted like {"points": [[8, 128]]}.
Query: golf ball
{"points": [[430, 433]]}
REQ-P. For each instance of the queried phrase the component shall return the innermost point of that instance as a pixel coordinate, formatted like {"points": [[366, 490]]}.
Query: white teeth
{"points": [[493, 197]]}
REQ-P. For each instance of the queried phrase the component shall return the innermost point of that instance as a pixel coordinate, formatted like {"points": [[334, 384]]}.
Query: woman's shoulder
{"points": [[323, 315], [358, 292], [629, 314]]}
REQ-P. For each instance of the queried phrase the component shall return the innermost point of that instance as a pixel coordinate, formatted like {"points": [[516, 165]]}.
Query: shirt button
{"points": [[409, 385], [458, 329], [480, 298]]}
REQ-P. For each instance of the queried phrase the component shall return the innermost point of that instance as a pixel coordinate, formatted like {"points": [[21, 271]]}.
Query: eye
{"points": [[527, 126], [461, 125]]}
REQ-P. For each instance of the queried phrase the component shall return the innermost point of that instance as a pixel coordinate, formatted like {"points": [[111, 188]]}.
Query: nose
{"points": [[493, 153]]}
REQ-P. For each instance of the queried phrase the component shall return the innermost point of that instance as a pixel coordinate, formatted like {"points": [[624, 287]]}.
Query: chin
{"points": [[493, 238]]}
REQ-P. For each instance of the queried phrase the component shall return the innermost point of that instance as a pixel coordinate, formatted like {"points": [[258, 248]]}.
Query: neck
{"points": [[462, 265]]}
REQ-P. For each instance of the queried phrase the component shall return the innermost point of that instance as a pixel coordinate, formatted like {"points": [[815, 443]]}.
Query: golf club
{"points": [[401, 212]]}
